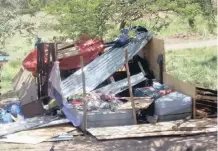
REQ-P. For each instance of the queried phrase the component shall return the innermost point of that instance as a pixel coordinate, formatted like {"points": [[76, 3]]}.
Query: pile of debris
{"points": [[80, 86], [206, 103]]}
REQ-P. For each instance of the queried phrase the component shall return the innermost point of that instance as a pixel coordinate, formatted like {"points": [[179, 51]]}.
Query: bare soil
{"points": [[192, 143]]}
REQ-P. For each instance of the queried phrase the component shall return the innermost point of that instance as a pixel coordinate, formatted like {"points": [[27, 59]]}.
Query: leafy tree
{"points": [[10, 19]]}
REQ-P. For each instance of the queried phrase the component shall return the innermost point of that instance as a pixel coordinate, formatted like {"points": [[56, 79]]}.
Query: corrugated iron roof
{"points": [[121, 85], [103, 66]]}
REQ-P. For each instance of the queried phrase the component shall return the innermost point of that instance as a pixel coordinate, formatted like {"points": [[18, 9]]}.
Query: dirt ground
{"points": [[206, 142]]}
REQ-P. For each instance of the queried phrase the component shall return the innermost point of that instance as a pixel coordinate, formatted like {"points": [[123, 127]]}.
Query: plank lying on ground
{"points": [[141, 103], [198, 124], [25, 125], [37, 135], [103, 66], [119, 86], [162, 128], [164, 133]]}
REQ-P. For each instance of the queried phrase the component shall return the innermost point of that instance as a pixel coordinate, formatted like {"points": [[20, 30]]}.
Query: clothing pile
{"points": [[97, 101], [155, 91]]}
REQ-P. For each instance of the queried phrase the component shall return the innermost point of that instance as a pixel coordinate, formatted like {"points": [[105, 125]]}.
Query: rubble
{"points": [[96, 97]]}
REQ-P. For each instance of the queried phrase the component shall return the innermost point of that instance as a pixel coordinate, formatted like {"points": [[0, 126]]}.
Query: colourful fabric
{"points": [[89, 49]]}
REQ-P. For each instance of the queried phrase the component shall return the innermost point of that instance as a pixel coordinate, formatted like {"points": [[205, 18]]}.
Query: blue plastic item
{"points": [[15, 109], [6, 117]]}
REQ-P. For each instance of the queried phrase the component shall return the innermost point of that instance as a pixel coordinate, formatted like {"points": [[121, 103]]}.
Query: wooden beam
{"points": [[208, 90], [205, 93], [84, 95], [194, 107], [215, 107], [130, 87], [141, 68], [189, 127], [204, 97]]}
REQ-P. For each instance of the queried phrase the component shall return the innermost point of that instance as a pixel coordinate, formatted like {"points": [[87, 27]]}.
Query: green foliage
{"points": [[97, 17], [197, 66]]}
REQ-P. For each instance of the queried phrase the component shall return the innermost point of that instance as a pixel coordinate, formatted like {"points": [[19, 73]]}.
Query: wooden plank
{"points": [[205, 93], [159, 129], [154, 48], [132, 129], [65, 45], [180, 86], [207, 101], [163, 133], [213, 98], [206, 105], [84, 95], [25, 86], [208, 90], [139, 104], [37, 135], [130, 87]]}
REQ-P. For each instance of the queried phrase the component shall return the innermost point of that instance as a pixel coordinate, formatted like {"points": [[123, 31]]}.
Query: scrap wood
{"points": [[130, 87], [153, 134], [207, 105], [140, 103], [67, 52], [38, 135], [205, 93], [201, 114], [214, 98], [132, 129], [65, 45], [206, 90], [207, 101], [198, 124], [160, 129], [84, 95]]}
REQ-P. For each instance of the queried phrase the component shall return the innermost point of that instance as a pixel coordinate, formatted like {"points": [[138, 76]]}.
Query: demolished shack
{"points": [[91, 85]]}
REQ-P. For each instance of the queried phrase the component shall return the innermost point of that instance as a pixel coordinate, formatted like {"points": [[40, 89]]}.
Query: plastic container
{"points": [[173, 106]]}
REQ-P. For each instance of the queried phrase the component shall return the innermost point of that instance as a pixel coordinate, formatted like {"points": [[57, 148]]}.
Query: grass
{"points": [[196, 66]]}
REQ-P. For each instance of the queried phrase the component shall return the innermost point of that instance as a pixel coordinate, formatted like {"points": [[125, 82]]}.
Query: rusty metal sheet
{"points": [[119, 86], [103, 66]]}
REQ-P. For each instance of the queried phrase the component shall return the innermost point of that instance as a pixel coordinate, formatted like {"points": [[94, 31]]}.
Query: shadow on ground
{"points": [[192, 143]]}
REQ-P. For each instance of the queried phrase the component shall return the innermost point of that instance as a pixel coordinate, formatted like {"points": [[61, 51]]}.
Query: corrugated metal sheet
{"points": [[103, 66], [122, 85]]}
